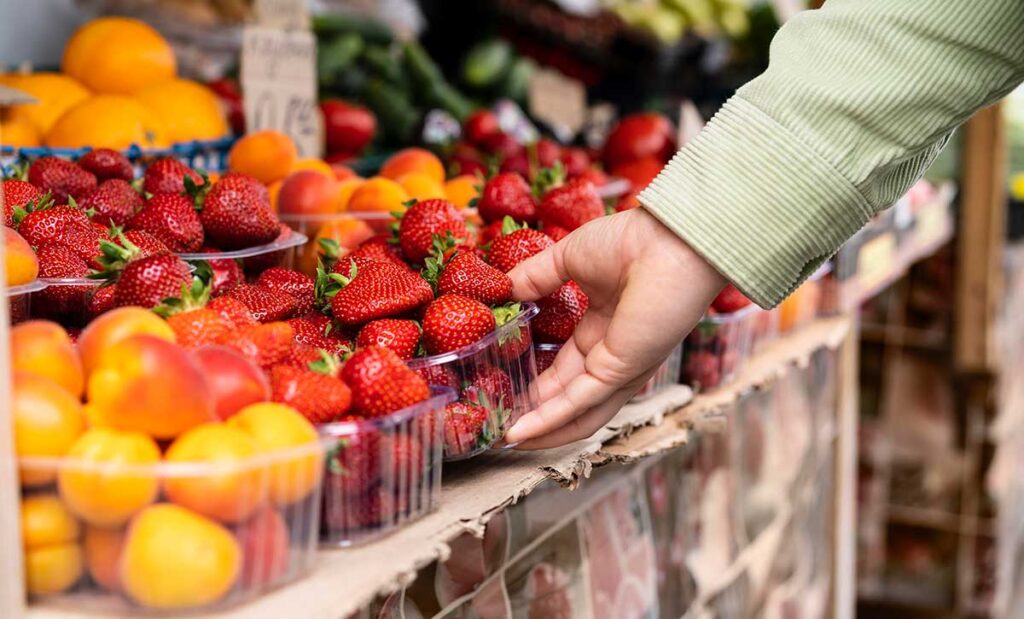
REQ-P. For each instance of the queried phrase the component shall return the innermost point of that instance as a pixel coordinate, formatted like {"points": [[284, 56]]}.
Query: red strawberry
{"points": [[571, 205], [60, 262], [113, 201], [61, 178], [729, 300], [172, 219], [234, 310], [556, 233], [99, 301], [480, 126], [491, 388], [353, 464], [236, 214], [467, 275], [319, 397], [576, 161], [266, 345], [379, 247], [168, 176], [148, 244], [107, 164], [16, 194], [146, 282], [515, 246], [199, 327], [440, 375], [595, 176], [375, 290], [300, 356], [545, 357], [507, 195], [407, 462], [702, 368], [400, 336], [425, 220], [265, 305], [290, 282], [487, 234], [453, 321], [64, 225], [463, 426], [549, 153], [225, 274], [559, 314], [318, 331], [381, 383]]}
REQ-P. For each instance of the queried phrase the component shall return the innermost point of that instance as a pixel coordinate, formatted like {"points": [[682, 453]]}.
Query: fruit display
{"points": [[805, 303], [720, 344]]}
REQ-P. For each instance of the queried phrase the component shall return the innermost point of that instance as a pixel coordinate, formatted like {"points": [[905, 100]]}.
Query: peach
{"points": [[116, 325], [44, 348], [147, 384], [420, 186], [47, 422], [346, 188], [307, 193], [102, 555], [343, 172], [235, 382], [20, 263], [378, 194], [264, 542], [316, 165], [348, 233], [413, 160], [461, 190]]}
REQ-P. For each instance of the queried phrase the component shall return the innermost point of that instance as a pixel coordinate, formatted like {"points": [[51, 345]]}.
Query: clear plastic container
{"points": [[545, 355], [496, 374], [382, 473], [185, 537], [281, 253], [64, 299], [717, 348], [804, 304], [20, 299], [765, 328], [666, 375]]}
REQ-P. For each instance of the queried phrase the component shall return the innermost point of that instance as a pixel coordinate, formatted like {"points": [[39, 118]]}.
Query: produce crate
{"points": [[717, 348], [283, 252], [208, 155]]}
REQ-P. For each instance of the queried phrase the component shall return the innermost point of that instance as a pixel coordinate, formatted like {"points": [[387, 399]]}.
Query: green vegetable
{"points": [[396, 113], [335, 57], [369, 29], [383, 64], [422, 68], [517, 83], [487, 63], [446, 97]]}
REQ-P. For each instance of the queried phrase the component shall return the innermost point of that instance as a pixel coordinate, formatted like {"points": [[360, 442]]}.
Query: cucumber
{"points": [[335, 24], [422, 68], [381, 63], [443, 95], [516, 84], [396, 113], [336, 56], [487, 63]]}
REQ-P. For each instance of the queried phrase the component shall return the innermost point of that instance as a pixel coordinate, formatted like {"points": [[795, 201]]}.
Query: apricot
{"points": [[49, 532], [47, 423], [315, 165], [461, 190], [116, 325], [342, 172], [346, 188], [419, 186], [45, 521], [267, 155], [307, 193], [44, 348], [147, 384], [264, 542], [20, 263], [53, 569], [378, 194], [109, 475], [347, 232], [103, 555], [413, 159], [235, 382]]}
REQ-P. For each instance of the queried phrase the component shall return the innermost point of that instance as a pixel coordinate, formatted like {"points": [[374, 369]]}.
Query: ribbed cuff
{"points": [[759, 205]]}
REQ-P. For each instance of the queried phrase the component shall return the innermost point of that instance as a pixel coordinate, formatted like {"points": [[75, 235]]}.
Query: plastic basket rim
{"points": [[86, 281], [294, 240], [731, 317], [529, 311], [440, 396], [321, 218], [22, 289]]}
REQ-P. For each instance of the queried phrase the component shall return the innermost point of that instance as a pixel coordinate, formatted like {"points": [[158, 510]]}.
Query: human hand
{"points": [[647, 290]]}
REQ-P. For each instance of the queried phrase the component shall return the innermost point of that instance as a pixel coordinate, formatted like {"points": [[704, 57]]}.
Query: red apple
{"points": [[235, 381], [264, 542], [348, 127]]}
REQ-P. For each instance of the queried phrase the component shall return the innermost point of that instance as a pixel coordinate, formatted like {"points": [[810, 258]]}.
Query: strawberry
{"points": [[381, 383], [423, 221], [107, 164], [516, 245], [407, 462], [379, 247], [113, 202], [545, 357], [62, 178], [193, 323], [353, 464], [507, 195], [480, 126], [729, 300], [60, 262], [487, 234], [318, 331], [491, 388], [146, 282], [168, 176], [300, 356], [440, 375], [513, 342], [172, 219], [99, 301], [702, 368], [463, 425], [556, 233], [15, 194], [549, 153], [64, 225], [571, 205], [560, 312], [400, 336], [344, 514], [290, 282], [374, 290], [576, 162], [236, 213], [224, 274], [233, 310], [124, 247], [467, 275], [452, 321], [266, 345], [264, 304], [319, 397], [148, 244]]}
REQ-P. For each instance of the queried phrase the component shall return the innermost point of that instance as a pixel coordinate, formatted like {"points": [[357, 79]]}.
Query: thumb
{"points": [[540, 275]]}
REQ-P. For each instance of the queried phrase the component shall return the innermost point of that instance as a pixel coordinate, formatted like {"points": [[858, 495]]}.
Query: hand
{"points": [[647, 290]]}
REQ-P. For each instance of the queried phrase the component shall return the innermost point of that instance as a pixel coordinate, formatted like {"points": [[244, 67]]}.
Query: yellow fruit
{"points": [[56, 94], [175, 559], [107, 121], [110, 475], [53, 569], [46, 521], [316, 165], [346, 188], [378, 194], [462, 189], [19, 132], [420, 186], [47, 423], [188, 110], [117, 55]]}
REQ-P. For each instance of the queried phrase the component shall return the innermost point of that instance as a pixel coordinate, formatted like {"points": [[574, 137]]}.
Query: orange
{"points": [[20, 263], [378, 194], [176, 559], [118, 55], [116, 325], [292, 443], [109, 476], [56, 94], [188, 110], [267, 156], [348, 232], [46, 521], [346, 188], [421, 187], [19, 133], [107, 121], [461, 190], [410, 160], [234, 486], [44, 348], [316, 165], [103, 554], [53, 559], [47, 423], [52, 569], [273, 190]]}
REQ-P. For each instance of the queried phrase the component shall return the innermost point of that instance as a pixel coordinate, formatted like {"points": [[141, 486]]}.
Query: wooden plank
{"points": [[844, 550]]}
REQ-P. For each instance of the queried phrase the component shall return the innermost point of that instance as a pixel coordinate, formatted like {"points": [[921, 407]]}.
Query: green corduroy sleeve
{"points": [[859, 98]]}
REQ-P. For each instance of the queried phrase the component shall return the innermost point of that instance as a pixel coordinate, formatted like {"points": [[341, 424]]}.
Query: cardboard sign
{"points": [[279, 85], [559, 101], [283, 14]]}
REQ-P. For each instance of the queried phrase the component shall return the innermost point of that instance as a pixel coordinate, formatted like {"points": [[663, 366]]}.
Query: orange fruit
{"points": [[19, 133], [20, 263], [53, 558], [419, 186], [109, 476], [274, 190], [47, 423], [188, 110], [103, 554], [291, 441], [233, 488], [378, 194], [107, 121], [118, 55], [316, 165], [348, 232], [116, 325], [346, 188], [43, 348], [267, 156], [307, 192], [56, 94], [52, 569], [343, 172], [409, 160], [45, 521], [176, 559], [461, 190]]}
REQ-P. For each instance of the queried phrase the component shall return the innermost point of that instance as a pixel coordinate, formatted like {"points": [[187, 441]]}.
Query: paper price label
{"points": [[877, 259], [279, 85], [559, 101], [284, 14]]}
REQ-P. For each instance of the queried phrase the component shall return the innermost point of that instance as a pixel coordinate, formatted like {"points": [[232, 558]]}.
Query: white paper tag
{"points": [[559, 101], [284, 14]]}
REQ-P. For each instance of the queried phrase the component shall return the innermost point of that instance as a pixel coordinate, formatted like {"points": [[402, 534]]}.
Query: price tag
{"points": [[876, 261], [690, 123], [559, 101], [283, 14], [279, 85]]}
